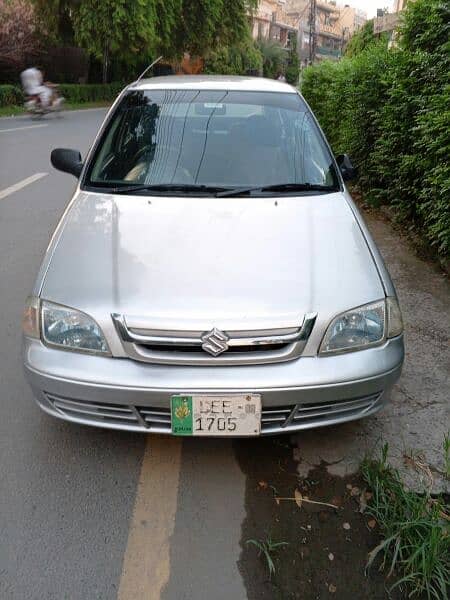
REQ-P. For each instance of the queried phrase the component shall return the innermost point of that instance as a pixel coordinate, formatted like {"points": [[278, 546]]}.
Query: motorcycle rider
{"points": [[42, 94]]}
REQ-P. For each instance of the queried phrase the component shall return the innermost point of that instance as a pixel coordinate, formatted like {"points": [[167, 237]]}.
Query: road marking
{"points": [[146, 564], [24, 127], [21, 184]]}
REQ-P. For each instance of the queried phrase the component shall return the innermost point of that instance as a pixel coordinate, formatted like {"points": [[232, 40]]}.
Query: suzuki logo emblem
{"points": [[215, 342]]}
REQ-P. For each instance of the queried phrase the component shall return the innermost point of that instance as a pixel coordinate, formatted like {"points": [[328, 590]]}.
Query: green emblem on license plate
{"points": [[182, 415]]}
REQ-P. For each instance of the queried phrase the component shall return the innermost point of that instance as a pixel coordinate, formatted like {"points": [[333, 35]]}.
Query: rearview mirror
{"points": [[346, 167], [67, 160]]}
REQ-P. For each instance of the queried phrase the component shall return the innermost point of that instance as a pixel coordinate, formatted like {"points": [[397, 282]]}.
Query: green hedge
{"points": [[11, 95], [239, 59], [389, 109], [90, 92]]}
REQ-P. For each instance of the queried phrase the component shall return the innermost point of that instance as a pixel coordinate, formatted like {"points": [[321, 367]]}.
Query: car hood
{"points": [[194, 263]]}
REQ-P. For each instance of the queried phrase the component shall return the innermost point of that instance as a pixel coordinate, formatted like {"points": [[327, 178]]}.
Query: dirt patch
{"points": [[412, 236], [327, 549]]}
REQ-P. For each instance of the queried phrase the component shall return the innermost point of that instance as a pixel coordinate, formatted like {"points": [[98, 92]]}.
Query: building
{"points": [[388, 22], [332, 28], [270, 21], [351, 19], [399, 5]]}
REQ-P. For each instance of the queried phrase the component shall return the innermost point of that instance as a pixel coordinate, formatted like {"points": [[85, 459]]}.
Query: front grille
{"points": [[199, 349], [276, 419], [132, 417], [214, 347], [305, 416]]}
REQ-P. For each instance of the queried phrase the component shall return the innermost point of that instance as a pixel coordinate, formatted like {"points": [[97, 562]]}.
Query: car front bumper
{"points": [[120, 393]]}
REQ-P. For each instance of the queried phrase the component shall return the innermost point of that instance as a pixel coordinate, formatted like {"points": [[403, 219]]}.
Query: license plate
{"points": [[218, 415]]}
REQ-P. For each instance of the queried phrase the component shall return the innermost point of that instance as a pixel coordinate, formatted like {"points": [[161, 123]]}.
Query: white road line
{"points": [[24, 127], [21, 184]]}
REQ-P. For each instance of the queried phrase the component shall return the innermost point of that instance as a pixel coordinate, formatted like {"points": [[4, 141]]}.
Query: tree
{"points": [[293, 63], [54, 20], [134, 31], [17, 33], [104, 27], [168, 14], [207, 25], [274, 57], [239, 59], [360, 40]]}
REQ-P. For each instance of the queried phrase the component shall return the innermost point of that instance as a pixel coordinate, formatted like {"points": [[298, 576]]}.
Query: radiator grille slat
{"points": [[277, 419]]}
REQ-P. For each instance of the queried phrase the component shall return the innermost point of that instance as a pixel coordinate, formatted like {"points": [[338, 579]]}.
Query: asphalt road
{"points": [[87, 513], [92, 514]]}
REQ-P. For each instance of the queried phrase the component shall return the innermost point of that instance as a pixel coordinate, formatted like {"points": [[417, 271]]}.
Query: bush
{"points": [[274, 57], [389, 110], [11, 95], [240, 59], [90, 92], [293, 64]]}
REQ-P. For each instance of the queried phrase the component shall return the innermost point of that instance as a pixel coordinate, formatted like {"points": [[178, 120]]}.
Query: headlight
{"points": [[363, 327], [356, 329], [71, 329]]}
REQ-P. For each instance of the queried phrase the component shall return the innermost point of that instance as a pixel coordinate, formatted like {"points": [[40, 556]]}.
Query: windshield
{"points": [[216, 139]]}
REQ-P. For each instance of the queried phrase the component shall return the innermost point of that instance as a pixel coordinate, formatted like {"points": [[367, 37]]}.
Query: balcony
{"points": [[328, 52]]}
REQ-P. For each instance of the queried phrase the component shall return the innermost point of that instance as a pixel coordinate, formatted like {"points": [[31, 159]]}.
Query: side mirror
{"points": [[346, 167], [67, 160]]}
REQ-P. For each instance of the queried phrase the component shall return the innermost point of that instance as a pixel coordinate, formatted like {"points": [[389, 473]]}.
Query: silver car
{"points": [[211, 274]]}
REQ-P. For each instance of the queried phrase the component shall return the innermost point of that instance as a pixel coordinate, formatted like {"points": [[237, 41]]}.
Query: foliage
{"points": [[361, 39], [267, 548], [54, 20], [239, 59], [124, 27], [446, 446], [207, 25], [130, 32], [90, 92], [274, 57], [17, 33], [415, 528], [293, 63], [389, 110], [10, 95]]}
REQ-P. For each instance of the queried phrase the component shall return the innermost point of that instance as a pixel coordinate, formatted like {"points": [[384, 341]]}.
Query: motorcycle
{"points": [[35, 108]]}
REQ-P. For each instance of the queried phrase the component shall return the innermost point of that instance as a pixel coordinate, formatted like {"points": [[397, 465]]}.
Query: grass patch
{"points": [[447, 455], [268, 548], [10, 111], [416, 531]]}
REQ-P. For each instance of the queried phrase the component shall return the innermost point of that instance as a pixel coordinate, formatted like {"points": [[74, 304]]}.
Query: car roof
{"points": [[213, 82]]}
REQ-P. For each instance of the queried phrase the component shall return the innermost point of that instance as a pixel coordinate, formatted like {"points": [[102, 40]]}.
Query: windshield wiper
{"points": [[167, 187], [279, 187]]}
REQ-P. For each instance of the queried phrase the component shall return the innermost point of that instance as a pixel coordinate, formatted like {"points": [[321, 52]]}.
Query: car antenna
{"points": [[149, 67]]}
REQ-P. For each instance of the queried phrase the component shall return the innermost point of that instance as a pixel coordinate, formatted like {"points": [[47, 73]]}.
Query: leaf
{"points": [[362, 503], [346, 525], [263, 485], [332, 588], [277, 500], [374, 553], [298, 498], [371, 523]]}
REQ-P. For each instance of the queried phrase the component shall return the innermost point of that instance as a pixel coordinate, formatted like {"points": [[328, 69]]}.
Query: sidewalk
{"points": [[418, 418]]}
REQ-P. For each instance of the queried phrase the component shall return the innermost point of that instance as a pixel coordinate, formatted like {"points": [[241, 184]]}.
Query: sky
{"points": [[370, 6]]}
